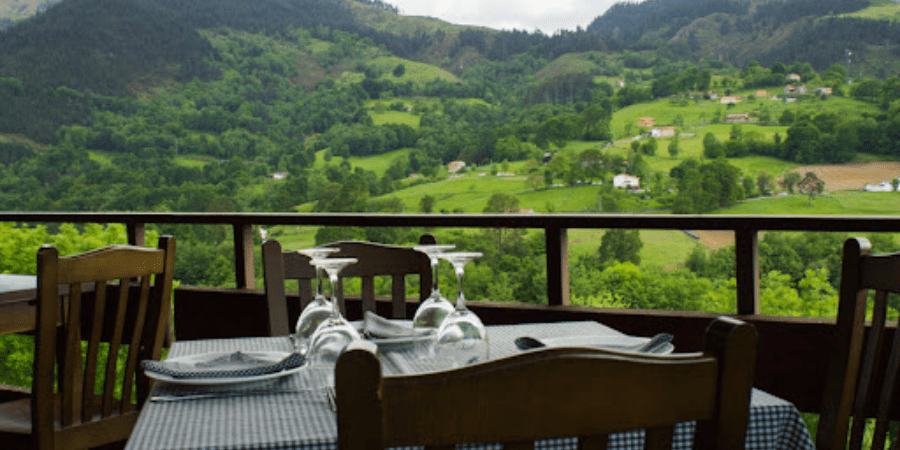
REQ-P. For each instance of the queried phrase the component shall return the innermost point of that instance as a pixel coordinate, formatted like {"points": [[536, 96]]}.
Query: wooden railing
{"points": [[793, 351], [555, 226]]}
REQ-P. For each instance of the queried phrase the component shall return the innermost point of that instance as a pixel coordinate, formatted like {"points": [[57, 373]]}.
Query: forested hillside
{"points": [[317, 105]]}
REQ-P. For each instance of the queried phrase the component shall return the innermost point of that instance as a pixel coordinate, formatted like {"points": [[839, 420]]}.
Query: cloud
{"points": [[547, 16]]}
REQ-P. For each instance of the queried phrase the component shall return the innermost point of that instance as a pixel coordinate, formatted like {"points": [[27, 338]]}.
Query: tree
{"points": [[811, 185], [427, 204], [502, 203], [399, 70], [789, 180], [674, 146], [896, 183], [764, 183], [712, 149], [620, 244]]}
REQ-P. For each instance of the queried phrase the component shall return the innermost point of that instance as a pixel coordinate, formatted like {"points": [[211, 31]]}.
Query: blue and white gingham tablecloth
{"points": [[291, 416]]}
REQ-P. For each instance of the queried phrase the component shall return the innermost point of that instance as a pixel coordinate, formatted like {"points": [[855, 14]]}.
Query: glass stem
{"points": [[434, 282], [318, 282], [460, 299], [334, 301]]}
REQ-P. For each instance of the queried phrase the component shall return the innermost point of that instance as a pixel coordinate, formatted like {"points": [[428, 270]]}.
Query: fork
{"points": [[332, 398]]}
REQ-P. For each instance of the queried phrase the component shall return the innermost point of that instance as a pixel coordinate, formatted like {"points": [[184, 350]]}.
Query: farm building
{"points": [[625, 181], [456, 166], [659, 132], [646, 121], [730, 100], [884, 186], [737, 118]]}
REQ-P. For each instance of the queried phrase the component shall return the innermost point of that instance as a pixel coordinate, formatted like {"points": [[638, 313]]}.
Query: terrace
{"points": [[793, 352]]}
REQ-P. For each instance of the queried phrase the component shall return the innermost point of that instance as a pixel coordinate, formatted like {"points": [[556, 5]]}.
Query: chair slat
{"points": [[869, 362], [659, 438], [134, 345], [109, 379], [367, 293], [595, 442], [70, 367], [92, 357], [519, 445], [398, 296], [886, 402]]}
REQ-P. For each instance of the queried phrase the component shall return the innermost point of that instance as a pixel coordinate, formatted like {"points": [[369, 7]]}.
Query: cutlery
{"points": [[332, 398], [181, 397], [655, 344]]}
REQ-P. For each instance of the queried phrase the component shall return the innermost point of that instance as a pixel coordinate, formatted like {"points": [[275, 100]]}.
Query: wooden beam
{"points": [[557, 265], [243, 256], [136, 233], [746, 247]]}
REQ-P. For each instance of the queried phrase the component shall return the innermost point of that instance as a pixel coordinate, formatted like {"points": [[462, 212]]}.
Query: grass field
{"points": [[415, 72], [845, 203], [880, 10]]}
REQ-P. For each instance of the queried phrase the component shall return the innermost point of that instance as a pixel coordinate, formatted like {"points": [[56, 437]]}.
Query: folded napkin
{"points": [[378, 327], [227, 365]]}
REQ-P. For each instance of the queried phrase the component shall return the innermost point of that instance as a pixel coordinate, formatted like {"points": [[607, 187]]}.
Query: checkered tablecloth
{"points": [[286, 414]]}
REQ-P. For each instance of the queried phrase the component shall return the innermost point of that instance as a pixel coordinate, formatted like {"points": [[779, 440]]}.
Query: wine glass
{"points": [[319, 309], [461, 339], [435, 308], [335, 333]]}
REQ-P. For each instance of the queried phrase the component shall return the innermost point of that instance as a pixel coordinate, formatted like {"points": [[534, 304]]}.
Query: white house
{"points": [[884, 186], [659, 132], [625, 181]]}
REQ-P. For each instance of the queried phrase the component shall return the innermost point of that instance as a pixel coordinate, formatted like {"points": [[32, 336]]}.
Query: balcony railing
{"points": [[793, 351]]}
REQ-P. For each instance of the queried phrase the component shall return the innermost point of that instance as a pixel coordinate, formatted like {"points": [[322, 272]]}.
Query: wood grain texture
{"points": [[858, 376], [372, 260], [551, 393], [72, 405]]}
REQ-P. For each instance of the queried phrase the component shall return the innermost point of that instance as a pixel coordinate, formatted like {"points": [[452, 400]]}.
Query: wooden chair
{"points": [[860, 383], [65, 410], [374, 260], [552, 393]]}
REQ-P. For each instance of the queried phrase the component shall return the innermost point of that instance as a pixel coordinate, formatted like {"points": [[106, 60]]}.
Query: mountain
{"points": [[107, 46]]}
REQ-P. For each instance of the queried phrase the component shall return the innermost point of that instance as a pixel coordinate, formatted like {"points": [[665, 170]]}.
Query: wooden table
{"points": [[18, 301], [18, 305]]}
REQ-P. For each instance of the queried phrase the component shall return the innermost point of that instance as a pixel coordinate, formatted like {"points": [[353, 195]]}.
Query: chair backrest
{"points": [[553, 393], [67, 411], [374, 260], [852, 387]]}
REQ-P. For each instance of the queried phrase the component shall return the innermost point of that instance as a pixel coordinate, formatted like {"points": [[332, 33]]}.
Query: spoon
{"points": [[655, 344]]}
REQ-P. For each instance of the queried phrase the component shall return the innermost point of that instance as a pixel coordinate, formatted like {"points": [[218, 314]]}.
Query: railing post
{"points": [[135, 231], [243, 256], [557, 242], [747, 271]]}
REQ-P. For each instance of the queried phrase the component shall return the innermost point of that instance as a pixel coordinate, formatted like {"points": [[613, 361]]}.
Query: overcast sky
{"points": [[547, 16]]}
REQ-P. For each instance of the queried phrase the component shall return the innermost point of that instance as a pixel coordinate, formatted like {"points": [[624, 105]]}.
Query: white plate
{"points": [[274, 357], [622, 343]]}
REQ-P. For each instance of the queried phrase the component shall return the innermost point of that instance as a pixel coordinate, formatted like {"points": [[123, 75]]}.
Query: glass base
{"points": [[462, 340]]}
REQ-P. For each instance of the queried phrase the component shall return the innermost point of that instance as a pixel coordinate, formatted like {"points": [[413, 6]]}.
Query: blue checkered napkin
{"points": [[229, 365]]}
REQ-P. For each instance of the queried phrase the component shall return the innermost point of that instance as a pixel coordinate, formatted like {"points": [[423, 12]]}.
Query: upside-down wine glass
{"points": [[435, 308], [319, 309], [462, 338], [335, 333]]}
